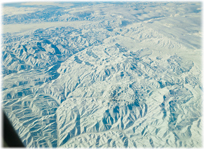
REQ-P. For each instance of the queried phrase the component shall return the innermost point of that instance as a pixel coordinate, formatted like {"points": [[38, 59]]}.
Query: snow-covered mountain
{"points": [[103, 74]]}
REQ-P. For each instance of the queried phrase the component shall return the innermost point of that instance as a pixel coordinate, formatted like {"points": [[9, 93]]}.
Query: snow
{"points": [[103, 74]]}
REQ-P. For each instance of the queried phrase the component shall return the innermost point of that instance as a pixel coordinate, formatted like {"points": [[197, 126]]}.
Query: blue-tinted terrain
{"points": [[105, 74]]}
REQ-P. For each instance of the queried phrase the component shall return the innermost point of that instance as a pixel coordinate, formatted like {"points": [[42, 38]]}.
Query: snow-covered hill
{"points": [[103, 74]]}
